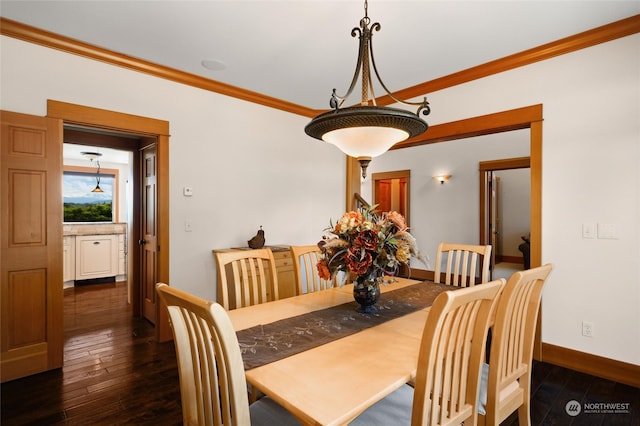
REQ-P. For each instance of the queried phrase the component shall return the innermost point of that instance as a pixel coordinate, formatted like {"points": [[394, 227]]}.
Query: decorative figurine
{"points": [[257, 241]]}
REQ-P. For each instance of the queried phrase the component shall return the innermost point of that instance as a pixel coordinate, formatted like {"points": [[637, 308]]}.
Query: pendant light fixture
{"points": [[95, 156], [366, 130]]}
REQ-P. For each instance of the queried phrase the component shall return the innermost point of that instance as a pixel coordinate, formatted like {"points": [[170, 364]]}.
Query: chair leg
{"points": [[524, 416]]}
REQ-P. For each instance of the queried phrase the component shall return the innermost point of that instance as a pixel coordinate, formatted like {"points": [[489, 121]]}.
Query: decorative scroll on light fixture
{"points": [[95, 156], [367, 130]]}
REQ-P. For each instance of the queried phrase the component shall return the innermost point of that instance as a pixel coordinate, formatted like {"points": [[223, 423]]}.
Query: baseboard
{"points": [[594, 365], [512, 259]]}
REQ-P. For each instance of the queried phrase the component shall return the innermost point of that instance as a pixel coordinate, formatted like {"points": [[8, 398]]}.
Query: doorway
{"points": [[135, 132], [108, 210], [391, 191], [498, 223]]}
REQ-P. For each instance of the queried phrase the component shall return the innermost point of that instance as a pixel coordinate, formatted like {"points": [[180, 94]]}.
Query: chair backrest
{"points": [[246, 277], [213, 387], [305, 259], [510, 358], [451, 354], [462, 264]]}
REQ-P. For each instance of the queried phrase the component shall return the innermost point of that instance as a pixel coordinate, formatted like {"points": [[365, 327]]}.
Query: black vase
{"points": [[366, 291]]}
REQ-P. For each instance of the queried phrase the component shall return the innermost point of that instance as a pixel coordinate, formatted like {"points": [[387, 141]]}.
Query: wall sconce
{"points": [[442, 178]]}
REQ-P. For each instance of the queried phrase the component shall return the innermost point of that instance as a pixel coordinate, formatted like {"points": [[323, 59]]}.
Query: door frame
{"points": [[397, 174], [145, 127], [486, 169], [528, 117]]}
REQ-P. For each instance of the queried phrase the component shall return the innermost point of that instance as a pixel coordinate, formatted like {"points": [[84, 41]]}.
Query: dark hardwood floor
{"points": [[116, 374]]}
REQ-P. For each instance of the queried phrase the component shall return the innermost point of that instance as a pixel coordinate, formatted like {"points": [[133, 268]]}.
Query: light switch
{"points": [[187, 191], [588, 230], [607, 231]]}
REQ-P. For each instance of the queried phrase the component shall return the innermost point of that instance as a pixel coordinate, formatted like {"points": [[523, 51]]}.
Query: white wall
{"points": [[448, 211], [590, 174], [515, 209], [248, 165], [268, 173]]}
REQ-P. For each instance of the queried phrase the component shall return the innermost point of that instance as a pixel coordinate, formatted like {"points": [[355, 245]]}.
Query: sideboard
{"points": [[284, 268]]}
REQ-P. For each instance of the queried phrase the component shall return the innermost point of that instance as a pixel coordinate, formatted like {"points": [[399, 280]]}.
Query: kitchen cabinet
{"points": [[69, 259], [122, 254], [96, 256], [90, 250]]}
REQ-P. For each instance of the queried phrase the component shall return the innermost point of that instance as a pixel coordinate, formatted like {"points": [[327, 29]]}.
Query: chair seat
{"points": [[395, 409], [267, 412]]}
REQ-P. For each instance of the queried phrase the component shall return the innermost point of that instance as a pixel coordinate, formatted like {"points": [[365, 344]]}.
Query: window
{"points": [[83, 205]]}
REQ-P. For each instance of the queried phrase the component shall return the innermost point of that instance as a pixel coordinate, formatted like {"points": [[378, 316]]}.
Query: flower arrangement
{"points": [[366, 243]]}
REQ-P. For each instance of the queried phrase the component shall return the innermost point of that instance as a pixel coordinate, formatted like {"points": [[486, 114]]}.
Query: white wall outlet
{"points": [[187, 191], [187, 226], [588, 230], [587, 329]]}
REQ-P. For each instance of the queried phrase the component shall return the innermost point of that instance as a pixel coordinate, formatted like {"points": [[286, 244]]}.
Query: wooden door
{"points": [[148, 243], [31, 287]]}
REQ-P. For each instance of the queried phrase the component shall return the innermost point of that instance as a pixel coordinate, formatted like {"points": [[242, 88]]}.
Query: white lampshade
{"points": [[365, 141]]}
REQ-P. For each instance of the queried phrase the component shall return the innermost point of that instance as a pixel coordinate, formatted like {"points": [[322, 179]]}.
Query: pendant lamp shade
{"points": [[367, 130]]}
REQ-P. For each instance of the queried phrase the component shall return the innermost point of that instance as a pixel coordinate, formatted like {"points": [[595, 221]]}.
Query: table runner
{"points": [[267, 343]]}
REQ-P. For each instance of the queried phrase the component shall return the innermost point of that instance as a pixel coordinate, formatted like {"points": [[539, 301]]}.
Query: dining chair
{"points": [[506, 380], [462, 264], [213, 386], [246, 277], [305, 259], [448, 373]]}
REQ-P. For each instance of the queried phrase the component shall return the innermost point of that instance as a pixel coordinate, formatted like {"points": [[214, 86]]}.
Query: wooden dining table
{"points": [[334, 382]]}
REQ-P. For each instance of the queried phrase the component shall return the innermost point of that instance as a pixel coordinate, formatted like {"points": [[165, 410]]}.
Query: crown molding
{"points": [[605, 33], [44, 38], [598, 35]]}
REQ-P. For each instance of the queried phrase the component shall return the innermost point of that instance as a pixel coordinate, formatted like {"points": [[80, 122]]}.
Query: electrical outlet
{"points": [[587, 329]]}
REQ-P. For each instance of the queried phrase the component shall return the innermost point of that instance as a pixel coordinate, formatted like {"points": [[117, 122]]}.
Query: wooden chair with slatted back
{"points": [[305, 259], [213, 386], [506, 380], [451, 355], [462, 264], [246, 277]]}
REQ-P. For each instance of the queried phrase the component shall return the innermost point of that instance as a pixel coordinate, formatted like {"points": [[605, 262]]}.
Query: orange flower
{"points": [[323, 270], [398, 220], [348, 221]]}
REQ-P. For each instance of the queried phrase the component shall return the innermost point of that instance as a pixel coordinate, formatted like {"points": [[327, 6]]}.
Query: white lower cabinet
{"points": [[69, 259], [97, 256]]}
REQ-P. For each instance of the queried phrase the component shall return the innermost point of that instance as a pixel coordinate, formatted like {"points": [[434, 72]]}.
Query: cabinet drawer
{"points": [[283, 260]]}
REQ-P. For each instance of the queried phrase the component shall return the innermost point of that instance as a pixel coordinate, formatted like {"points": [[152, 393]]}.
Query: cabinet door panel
{"points": [[96, 256]]}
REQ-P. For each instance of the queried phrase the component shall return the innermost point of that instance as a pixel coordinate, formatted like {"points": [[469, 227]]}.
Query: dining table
{"points": [[323, 361]]}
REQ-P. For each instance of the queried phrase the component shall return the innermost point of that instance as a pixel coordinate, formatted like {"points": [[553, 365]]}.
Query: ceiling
{"points": [[298, 51]]}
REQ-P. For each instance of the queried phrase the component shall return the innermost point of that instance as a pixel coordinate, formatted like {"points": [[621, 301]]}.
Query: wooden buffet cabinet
{"points": [[284, 269]]}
